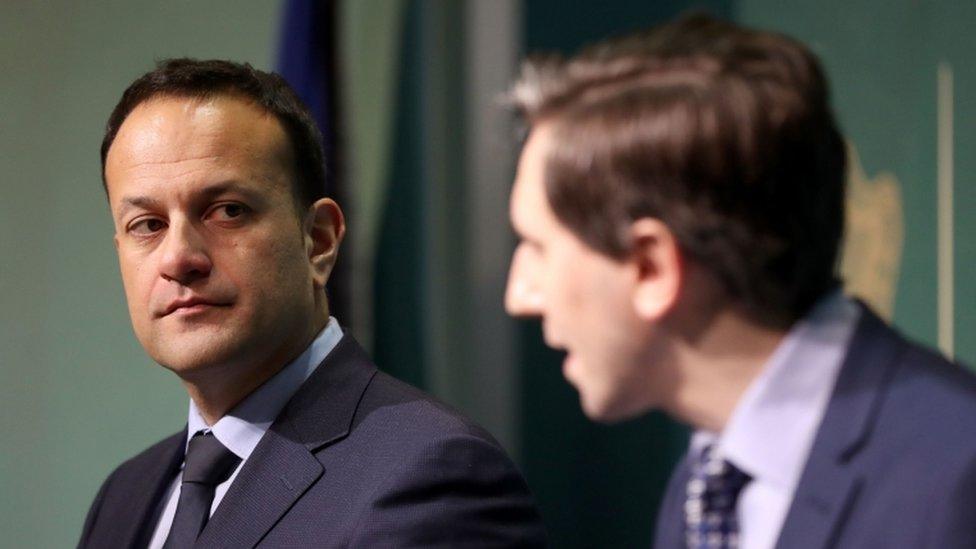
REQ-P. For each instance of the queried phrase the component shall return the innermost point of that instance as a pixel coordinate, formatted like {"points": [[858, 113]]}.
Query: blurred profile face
{"points": [[584, 299], [214, 257]]}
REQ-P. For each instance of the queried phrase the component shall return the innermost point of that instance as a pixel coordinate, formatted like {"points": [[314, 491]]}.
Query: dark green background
{"points": [[77, 393]]}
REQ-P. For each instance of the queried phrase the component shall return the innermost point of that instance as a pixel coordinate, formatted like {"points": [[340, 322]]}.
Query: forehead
{"points": [[166, 132], [529, 206]]}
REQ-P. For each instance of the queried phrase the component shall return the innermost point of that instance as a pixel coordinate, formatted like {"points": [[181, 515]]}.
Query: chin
{"points": [[599, 410], [195, 357], [185, 367], [609, 408]]}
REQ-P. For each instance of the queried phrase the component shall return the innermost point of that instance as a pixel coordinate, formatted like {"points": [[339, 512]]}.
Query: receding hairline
{"points": [[286, 149], [282, 147], [200, 98]]}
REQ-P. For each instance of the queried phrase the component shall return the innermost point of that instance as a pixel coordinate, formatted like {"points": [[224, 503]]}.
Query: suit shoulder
{"points": [[947, 384], [413, 411], [431, 477], [931, 402]]}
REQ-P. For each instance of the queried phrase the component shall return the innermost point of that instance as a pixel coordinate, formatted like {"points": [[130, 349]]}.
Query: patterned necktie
{"points": [[208, 463], [713, 490]]}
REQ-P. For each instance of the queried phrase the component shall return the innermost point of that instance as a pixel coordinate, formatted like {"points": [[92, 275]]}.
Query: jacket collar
{"points": [[283, 465], [828, 486]]}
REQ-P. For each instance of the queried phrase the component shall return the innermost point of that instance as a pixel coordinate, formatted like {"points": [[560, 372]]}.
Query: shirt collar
{"points": [[242, 428], [772, 429]]}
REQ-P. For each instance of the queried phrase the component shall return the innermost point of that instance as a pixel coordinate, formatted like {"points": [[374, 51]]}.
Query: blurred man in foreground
{"points": [[679, 204], [214, 177]]}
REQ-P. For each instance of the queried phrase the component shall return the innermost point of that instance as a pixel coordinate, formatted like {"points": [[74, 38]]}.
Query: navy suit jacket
{"points": [[892, 465], [355, 459]]}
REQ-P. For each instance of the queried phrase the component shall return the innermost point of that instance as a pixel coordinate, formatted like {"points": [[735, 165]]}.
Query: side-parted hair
{"points": [[203, 79], [723, 133]]}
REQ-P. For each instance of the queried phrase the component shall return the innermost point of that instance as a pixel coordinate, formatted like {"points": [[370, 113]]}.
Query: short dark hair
{"points": [[723, 133], [202, 79]]}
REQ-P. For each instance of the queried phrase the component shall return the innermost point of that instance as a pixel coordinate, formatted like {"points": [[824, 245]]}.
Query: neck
{"points": [[717, 364], [215, 400], [217, 390]]}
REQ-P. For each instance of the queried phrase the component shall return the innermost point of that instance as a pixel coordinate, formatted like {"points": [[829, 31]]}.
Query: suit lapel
{"points": [[276, 474], [283, 466], [131, 522], [828, 486]]}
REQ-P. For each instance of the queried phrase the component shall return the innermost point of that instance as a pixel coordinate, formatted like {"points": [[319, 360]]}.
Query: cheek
{"points": [[572, 284], [596, 295], [274, 266], [138, 282], [563, 277], [137, 279], [289, 259]]}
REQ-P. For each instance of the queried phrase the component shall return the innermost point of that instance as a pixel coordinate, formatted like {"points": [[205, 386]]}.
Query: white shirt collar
{"points": [[772, 429], [242, 428]]}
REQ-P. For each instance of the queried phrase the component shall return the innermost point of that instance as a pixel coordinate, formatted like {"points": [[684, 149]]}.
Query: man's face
{"points": [[585, 300], [214, 257]]}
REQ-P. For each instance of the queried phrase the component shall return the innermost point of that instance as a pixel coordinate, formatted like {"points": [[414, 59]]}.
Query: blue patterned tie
{"points": [[713, 489]]}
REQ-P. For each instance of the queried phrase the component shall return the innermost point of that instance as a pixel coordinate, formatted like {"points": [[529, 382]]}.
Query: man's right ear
{"points": [[659, 268]]}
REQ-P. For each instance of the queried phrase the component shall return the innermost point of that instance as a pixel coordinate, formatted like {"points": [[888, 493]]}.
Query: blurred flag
{"points": [[307, 60]]}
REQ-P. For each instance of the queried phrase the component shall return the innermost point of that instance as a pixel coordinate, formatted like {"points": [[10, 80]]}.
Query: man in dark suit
{"points": [[214, 177], [679, 203]]}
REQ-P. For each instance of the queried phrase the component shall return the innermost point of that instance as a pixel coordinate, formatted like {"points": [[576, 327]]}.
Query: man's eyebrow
{"points": [[250, 191], [130, 202], [205, 192], [217, 189]]}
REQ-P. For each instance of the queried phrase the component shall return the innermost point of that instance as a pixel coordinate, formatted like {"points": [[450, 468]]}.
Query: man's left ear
{"points": [[659, 270], [324, 228]]}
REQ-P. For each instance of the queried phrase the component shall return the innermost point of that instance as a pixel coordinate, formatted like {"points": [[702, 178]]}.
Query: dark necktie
{"points": [[207, 464], [713, 490]]}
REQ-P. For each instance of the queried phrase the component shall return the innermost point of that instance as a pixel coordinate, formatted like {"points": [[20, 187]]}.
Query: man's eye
{"points": [[147, 226], [230, 210]]}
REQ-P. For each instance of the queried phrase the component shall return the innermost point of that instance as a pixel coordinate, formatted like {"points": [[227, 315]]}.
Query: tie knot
{"points": [[712, 493], [208, 461], [717, 474]]}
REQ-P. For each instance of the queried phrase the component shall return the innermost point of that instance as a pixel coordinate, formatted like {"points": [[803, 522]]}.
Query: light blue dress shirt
{"points": [[242, 428], [772, 429]]}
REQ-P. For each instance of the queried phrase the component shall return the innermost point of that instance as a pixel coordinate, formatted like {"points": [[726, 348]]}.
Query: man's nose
{"points": [[185, 257], [522, 294]]}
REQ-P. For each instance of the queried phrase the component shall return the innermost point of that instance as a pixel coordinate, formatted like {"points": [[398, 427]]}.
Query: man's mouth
{"points": [[192, 305]]}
